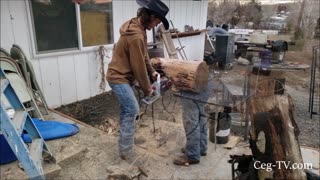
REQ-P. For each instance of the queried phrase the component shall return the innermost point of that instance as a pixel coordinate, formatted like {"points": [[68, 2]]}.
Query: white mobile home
{"points": [[62, 39]]}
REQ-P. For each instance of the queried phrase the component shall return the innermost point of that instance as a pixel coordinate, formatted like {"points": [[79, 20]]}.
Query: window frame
{"points": [[80, 48]]}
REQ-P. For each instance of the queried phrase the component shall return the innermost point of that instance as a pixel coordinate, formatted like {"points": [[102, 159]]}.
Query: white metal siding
{"points": [[50, 80], [67, 78], [73, 77], [192, 13], [82, 78], [6, 28], [19, 25]]}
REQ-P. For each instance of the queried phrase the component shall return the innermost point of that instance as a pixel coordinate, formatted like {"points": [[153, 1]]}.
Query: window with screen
{"points": [[55, 25], [96, 22], [56, 29]]}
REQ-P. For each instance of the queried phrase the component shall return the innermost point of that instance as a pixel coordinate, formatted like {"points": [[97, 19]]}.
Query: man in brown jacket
{"points": [[130, 63]]}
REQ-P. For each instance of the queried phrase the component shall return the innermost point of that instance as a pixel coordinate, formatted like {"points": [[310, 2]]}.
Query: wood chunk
{"points": [[233, 141], [186, 74]]}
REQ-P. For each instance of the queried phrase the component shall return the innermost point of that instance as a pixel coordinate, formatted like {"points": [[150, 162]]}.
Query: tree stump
{"points": [[267, 82], [185, 74], [274, 132]]}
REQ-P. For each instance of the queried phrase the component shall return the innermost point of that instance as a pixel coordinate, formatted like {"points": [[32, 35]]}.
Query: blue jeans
{"points": [[195, 125], [129, 110]]}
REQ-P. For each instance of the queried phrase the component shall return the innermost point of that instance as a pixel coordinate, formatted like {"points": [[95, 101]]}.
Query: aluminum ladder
{"points": [[29, 155]]}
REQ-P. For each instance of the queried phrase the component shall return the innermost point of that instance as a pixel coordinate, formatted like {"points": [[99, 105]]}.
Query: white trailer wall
{"points": [[72, 76]]}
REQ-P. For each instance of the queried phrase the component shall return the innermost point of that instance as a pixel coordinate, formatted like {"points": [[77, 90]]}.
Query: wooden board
{"points": [[233, 141]]}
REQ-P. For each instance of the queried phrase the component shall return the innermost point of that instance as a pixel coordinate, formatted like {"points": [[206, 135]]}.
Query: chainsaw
{"points": [[160, 86]]}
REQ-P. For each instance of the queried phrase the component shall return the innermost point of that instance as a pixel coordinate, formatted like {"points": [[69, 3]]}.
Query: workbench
{"points": [[244, 46], [278, 49]]}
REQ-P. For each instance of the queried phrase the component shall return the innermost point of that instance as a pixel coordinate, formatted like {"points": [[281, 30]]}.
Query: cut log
{"points": [[186, 74], [274, 137]]}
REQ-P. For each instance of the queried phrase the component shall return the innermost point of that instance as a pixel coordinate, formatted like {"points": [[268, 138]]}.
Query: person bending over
{"points": [[130, 63]]}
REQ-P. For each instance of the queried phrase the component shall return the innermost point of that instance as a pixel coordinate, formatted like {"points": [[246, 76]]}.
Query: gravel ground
{"points": [[309, 128]]}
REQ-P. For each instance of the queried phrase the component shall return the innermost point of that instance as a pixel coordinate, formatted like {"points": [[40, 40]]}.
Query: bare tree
{"points": [[298, 32]]}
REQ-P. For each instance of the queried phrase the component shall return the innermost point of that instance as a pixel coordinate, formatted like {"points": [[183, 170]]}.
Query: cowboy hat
{"points": [[158, 8]]}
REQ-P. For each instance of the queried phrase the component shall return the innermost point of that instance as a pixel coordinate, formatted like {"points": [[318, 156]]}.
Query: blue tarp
{"points": [[49, 130]]}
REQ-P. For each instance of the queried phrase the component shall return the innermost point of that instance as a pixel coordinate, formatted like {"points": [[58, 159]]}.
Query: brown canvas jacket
{"points": [[130, 60]]}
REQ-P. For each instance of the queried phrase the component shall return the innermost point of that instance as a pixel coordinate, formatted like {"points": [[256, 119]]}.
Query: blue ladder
{"points": [[30, 156]]}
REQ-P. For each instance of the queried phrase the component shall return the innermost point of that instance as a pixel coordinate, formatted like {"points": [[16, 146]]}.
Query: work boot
{"points": [[184, 161], [183, 150]]}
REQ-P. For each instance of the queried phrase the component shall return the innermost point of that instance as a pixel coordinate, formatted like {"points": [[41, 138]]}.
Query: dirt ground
{"points": [[102, 111]]}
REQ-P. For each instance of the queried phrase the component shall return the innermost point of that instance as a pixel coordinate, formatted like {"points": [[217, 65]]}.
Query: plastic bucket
{"points": [[6, 154], [223, 127], [266, 58]]}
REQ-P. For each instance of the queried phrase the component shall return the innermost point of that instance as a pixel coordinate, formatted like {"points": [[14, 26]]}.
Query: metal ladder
{"points": [[29, 155]]}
